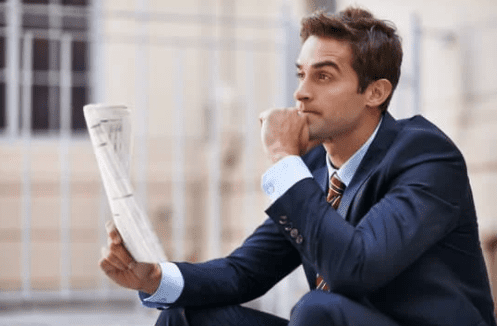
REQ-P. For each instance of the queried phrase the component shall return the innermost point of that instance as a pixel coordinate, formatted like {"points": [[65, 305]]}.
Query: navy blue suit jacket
{"points": [[404, 239]]}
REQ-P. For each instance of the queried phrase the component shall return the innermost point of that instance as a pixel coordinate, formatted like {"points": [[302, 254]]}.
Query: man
{"points": [[393, 242]]}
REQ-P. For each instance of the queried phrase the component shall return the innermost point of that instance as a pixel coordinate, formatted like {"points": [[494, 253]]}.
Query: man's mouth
{"points": [[308, 112]]}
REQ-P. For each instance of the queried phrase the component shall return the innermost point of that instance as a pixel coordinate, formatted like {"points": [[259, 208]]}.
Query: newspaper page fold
{"points": [[110, 133]]}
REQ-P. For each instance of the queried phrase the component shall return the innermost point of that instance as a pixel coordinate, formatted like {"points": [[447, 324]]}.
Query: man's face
{"points": [[328, 90]]}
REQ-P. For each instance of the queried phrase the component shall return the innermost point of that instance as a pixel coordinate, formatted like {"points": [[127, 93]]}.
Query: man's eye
{"points": [[324, 77], [299, 75]]}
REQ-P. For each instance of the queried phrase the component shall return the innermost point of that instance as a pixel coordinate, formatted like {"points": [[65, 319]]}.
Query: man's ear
{"points": [[377, 92]]}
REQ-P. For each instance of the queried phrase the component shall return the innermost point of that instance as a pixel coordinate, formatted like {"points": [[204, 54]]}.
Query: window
{"points": [[55, 32]]}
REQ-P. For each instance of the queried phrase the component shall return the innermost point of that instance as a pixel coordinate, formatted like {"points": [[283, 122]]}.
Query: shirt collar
{"points": [[347, 170]]}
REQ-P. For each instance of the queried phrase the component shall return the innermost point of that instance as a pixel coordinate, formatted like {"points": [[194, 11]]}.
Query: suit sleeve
{"points": [[250, 271], [419, 186]]}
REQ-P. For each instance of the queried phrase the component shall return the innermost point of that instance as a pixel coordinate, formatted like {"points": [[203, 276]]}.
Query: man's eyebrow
{"points": [[317, 65], [325, 64]]}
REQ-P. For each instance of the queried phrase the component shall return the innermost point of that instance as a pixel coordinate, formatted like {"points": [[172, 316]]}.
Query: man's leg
{"points": [[324, 308], [229, 315]]}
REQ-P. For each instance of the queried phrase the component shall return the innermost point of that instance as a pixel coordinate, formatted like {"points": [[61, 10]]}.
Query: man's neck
{"points": [[341, 148]]}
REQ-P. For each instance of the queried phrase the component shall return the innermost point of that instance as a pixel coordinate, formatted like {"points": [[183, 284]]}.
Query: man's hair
{"points": [[376, 47]]}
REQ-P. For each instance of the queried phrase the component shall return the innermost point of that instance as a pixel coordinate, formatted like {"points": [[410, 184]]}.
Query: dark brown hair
{"points": [[376, 47]]}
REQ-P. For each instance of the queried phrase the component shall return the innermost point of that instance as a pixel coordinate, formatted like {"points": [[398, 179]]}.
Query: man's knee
{"points": [[318, 308], [174, 316]]}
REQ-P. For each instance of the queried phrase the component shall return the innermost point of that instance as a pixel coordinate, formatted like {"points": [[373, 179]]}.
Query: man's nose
{"points": [[302, 92]]}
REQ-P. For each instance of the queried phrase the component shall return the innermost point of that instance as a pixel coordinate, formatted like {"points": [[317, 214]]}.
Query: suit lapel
{"points": [[316, 162], [321, 176], [376, 152]]}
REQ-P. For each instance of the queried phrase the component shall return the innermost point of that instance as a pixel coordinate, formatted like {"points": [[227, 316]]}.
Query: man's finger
{"points": [[114, 235], [111, 258], [122, 253], [121, 262], [106, 266], [118, 256]]}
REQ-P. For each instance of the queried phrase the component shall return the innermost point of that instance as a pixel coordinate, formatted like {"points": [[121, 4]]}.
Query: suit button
{"points": [[299, 239], [294, 233], [288, 227], [283, 219]]}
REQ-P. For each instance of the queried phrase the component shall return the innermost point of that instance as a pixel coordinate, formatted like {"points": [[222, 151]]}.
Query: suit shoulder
{"points": [[417, 133], [421, 125]]}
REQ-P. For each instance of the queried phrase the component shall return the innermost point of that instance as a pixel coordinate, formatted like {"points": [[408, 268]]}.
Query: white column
{"points": [[65, 164], [27, 82], [141, 108], [252, 131], [179, 182], [12, 61], [97, 52], [97, 95], [54, 35], [416, 63], [214, 159]]}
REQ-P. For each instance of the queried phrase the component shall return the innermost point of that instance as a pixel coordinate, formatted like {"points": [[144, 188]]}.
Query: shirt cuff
{"points": [[170, 287], [283, 175]]}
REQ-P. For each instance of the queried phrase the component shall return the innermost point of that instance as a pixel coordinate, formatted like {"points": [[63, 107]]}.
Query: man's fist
{"points": [[284, 132]]}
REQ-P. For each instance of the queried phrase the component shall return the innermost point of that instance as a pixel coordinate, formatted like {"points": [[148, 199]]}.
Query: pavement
{"points": [[44, 318], [101, 313]]}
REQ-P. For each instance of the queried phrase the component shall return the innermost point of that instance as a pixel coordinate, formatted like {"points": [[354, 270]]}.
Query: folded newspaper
{"points": [[110, 133]]}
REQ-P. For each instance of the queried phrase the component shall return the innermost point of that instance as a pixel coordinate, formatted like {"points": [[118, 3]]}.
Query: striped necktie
{"points": [[335, 192]]}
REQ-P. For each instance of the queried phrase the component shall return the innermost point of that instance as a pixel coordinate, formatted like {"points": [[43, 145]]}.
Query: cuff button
{"points": [[270, 189]]}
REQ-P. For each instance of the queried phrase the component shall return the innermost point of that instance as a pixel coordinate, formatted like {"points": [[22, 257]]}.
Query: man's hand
{"points": [[120, 266], [285, 132]]}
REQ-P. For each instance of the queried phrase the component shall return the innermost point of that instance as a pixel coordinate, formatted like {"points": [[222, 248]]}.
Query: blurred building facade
{"points": [[196, 74]]}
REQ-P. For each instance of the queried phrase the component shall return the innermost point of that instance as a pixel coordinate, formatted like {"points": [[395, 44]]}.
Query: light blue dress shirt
{"points": [[169, 289], [275, 182]]}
